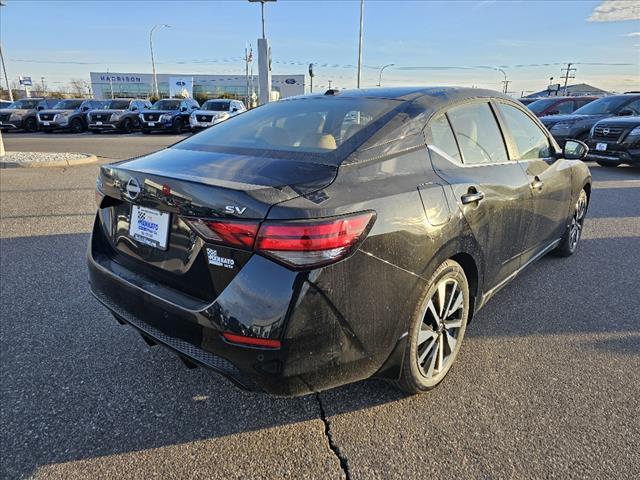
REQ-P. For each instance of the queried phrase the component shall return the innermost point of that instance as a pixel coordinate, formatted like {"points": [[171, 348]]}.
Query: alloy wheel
{"points": [[440, 329], [577, 220]]}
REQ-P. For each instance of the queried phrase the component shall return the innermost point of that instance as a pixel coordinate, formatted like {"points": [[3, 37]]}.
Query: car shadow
{"points": [[76, 385]]}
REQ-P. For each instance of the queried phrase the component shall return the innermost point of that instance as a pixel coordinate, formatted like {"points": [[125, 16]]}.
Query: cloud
{"points": [[633, 34], [615, 11]]}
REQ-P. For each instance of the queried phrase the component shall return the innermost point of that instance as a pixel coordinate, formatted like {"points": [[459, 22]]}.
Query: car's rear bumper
{"points": [[329, 337]]}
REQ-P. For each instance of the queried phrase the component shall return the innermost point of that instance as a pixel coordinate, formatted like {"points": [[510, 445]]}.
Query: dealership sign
{"points": [[25, 81], [181, 87]]}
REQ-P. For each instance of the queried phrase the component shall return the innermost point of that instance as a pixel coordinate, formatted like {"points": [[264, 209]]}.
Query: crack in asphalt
{"points": [[344, 463]]}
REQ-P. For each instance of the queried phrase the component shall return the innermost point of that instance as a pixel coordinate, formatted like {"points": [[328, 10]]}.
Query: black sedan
{"points": [[321, 240], [615, 141]]}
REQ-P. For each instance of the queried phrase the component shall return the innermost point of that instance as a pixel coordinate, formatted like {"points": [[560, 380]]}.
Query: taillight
{"points": [[313, 243], [237, 234], [298, 244]]}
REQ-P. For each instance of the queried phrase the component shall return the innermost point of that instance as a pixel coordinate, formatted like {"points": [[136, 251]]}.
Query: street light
{"points": [[360, 43], [4, 69], [153, 63], [382, 70]]}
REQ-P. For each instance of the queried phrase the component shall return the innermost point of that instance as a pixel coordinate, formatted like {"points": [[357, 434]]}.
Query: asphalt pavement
{"points": [[547, 384]]}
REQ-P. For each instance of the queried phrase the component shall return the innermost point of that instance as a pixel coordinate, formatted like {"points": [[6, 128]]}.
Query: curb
{"points": [[52, 163]]}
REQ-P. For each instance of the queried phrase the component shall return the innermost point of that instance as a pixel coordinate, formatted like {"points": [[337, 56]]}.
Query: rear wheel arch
{"points": [[470, 267]]}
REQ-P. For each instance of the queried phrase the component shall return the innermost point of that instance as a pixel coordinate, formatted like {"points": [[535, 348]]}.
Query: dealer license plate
{"points": [[601, 147], [149, 226]]}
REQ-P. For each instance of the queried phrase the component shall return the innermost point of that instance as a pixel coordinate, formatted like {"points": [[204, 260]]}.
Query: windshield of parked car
{"points": [[117, 105], [216, 106], [313, 127], [67, 105], [166, 105], [540, 105], [24, 104], [602, 106]]}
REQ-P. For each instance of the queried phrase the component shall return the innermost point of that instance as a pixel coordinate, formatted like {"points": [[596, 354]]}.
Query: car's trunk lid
{"points": [[188, 185]]}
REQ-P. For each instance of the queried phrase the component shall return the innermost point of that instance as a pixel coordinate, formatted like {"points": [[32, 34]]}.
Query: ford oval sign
{"points": [[290, 81]]}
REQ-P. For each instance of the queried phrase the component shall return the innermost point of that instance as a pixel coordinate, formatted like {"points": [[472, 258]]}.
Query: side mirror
{"points": [[183, 109], [39, 107], [134, 109], [625, 112], [234, 109], [85, 108], [574, 150]]}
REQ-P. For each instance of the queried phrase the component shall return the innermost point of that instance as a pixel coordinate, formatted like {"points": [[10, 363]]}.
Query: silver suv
{"points": [[215, 111]]}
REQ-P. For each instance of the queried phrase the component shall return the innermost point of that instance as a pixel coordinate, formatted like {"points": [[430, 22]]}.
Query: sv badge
{"points": [[234, 209]]}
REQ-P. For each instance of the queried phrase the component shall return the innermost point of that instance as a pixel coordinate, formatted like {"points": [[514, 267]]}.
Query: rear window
{"points": [[319, 127]]}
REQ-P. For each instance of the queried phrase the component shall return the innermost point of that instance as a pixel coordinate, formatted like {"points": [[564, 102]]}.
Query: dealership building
{"points": [[140, 85]]}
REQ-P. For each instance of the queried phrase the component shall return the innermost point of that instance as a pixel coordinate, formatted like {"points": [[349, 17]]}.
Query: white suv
{"points": [[215, 111]]}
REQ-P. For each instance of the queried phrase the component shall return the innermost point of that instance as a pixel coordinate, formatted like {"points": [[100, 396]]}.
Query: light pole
{"points": [[360, 42], [4, 69], [153, 63], [382, 70]]}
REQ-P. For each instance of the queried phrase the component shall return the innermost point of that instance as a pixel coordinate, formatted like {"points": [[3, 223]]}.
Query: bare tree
{"points": [[79, 88]]}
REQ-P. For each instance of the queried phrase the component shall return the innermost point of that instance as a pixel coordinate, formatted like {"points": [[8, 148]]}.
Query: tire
{"points": [[127, 126], [178, 125], [608, 164], [432, 345], [76, 126], [30, 125], [569, 243]]}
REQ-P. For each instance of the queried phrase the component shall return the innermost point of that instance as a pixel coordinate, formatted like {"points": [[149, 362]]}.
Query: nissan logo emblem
{"points": [[132, 190], [180, 83], [605, 131]]}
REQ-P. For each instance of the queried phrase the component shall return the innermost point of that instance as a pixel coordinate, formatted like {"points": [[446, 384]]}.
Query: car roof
{"points": [[414, 93]]}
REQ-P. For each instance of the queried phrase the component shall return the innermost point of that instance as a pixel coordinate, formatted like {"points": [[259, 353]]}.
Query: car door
{"points": [[548, 176], [468, 151]]}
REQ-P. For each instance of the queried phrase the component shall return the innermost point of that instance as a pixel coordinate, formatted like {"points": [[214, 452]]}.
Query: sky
{"points": [[64, 40]]}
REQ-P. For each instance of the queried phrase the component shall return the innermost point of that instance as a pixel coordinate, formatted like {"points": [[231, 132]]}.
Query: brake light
{"points": [[297, 243], [237, 234], [312, 243]]}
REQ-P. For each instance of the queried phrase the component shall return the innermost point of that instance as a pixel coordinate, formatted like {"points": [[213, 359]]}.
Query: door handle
{"points": [[537, 184], [472, 196]]}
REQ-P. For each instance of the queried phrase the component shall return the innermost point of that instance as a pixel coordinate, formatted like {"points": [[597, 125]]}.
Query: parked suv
{"points": [[558, 105], [22, 114], [118, 114], [578, 124], [68, 114], [215, 111], [168, 114], [614, 141]]}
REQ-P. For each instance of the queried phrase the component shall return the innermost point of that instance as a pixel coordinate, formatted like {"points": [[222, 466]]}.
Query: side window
{"points": [[443, 138], [529, 138], [565, 107], [478, 135], [633, 106]]}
